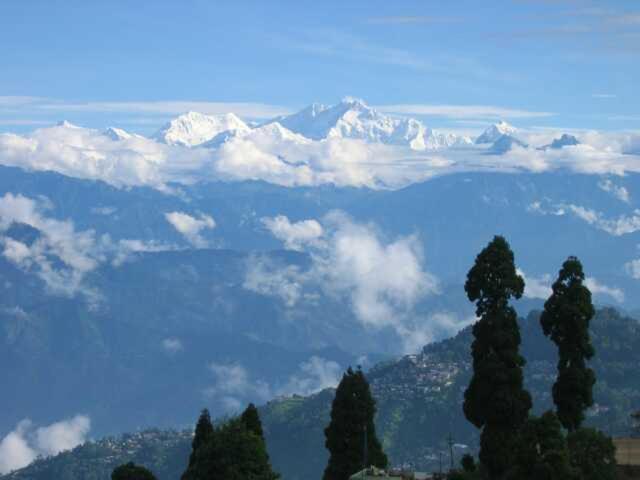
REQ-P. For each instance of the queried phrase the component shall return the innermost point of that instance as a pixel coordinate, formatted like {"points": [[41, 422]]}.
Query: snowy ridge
{"points": [[354, 119], [192, 128], [117, 134], [495, 131]]}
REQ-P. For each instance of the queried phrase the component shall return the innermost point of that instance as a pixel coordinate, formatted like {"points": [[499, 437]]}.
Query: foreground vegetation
{"points": [[414, 397]]}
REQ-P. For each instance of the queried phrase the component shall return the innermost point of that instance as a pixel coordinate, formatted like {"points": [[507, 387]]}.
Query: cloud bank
{"points": [[25, 443], [540, 287], [190, 227], [61, 256], [273, 154], [234, 386], [381, 280]]}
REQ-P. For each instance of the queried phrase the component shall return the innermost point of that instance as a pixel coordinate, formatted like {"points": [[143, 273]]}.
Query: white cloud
{"points": [[190, 227], [41, 105], [25, 443], [15, 451], [540, 287], [633, 268], [267, 278], [623, 225], [619, 192], [488, 112], [598, 288], [63, 435], [381, 280], [79, 252], [172, 345], [234, 386], [61, 256], [291, 160], [106, 211], [536, 287], [15, 251], [294, 235], [314, 375]]}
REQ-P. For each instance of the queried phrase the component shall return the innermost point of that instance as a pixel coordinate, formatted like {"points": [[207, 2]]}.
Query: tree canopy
{"points": [[495, 399], [251, 419], [565, 319], [131, 471], [203, 433], [232, 453], [351, 426]]}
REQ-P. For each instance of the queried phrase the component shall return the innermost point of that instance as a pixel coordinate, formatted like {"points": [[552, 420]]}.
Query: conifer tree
{"points": [[130, 471], [495, 399], [251, 419], [352, 414], [565, 319], [541, 452], [593, 454], [203, 433], [233, 453]]}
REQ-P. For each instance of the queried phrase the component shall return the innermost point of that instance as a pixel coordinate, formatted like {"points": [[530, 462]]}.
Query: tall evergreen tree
{"points": [[565, 319], [593, 454], [541, 452], [233, 453], [204, 433], [352, 414], [251, 419], [495, 399], [130, 471]]}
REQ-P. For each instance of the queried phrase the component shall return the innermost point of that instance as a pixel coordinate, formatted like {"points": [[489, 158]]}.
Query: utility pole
{"points": [[364, 452], [450, 442], [440, 457]]}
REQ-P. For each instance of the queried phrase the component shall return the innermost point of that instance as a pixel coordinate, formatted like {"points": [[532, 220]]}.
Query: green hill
{"points": [[419, 404]]}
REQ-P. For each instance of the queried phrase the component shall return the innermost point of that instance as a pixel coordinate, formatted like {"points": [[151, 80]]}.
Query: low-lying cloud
{"points": [[275, 155], [60, 256], [191, 227], [25, 443], [234, 386], [622, 225], [382, 280], [540, 287]]}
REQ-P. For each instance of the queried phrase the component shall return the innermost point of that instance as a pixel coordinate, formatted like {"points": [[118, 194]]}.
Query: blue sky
{"points": [[569, 64]]}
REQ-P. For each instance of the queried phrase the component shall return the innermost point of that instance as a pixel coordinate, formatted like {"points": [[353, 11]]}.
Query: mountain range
{"points": [[222, 262]]}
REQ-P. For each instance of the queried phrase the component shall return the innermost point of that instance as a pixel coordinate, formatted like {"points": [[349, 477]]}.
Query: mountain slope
{"points": [[354, 119], [419, 401], [495, 131], [192, 128]]}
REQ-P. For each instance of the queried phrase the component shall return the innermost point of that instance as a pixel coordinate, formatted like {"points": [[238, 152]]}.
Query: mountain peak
{"points": [[495, 131], [193, 128], [505, 143], [115, 133], [565, 140], [66, 124], [353, 118], [354, 102]]}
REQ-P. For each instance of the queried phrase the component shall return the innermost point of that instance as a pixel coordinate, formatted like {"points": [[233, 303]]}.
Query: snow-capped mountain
{"points": [[192, 128], [353, 118], [495, 131], [67, 124], [117, 134], [504, 144], [565, 140], [266, 134]]}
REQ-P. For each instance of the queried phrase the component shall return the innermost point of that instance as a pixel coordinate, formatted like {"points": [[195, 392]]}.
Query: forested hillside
{"points": [[419, 404]]}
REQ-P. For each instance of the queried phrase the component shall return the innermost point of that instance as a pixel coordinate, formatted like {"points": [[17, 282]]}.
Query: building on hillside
{"points": [[374, 473], [627, 451]]}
